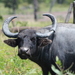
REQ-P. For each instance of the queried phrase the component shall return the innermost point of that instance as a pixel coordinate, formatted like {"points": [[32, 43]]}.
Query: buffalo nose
{"points": [[24, 49]]}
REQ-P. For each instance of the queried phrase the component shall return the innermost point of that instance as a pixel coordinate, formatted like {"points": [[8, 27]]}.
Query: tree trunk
{"points": [[69, 13], [14, 6], [14, 11], [35, 4], [52, 3], [73, 12]]}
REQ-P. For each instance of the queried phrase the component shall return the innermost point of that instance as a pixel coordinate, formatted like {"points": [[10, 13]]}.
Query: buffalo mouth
{"points": [[22, 56]]}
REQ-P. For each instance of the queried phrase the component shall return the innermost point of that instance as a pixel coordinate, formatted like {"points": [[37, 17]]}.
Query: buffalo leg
{"points": [[45, 72]]}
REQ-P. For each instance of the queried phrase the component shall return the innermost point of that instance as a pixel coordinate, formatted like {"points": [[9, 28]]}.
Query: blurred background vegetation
{"points": [[33, 9], [29, 13]]}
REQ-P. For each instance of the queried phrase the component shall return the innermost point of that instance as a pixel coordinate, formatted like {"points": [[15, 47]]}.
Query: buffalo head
{"points": [[29, 40]]}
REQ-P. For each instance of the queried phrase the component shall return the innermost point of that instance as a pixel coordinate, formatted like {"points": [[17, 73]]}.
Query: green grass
{"points": [[33, 24]]}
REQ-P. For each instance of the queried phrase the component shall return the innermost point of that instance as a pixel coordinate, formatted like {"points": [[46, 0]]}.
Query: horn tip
{"points": [[45, 14], [14, 16]]}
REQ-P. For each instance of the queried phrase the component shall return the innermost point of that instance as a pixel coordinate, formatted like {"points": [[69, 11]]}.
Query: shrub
{"points": [[61, 71]]}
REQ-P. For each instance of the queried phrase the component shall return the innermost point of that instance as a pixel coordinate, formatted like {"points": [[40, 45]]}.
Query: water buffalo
{"points": [[43, 45]]}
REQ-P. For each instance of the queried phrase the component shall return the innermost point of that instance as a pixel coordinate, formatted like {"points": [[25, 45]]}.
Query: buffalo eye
{"points": [[24, 36], [33, 39], [19, 38]]}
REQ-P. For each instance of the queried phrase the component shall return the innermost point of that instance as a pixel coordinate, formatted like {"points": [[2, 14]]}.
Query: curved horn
{"points": [[52, 30], [6, 30]]}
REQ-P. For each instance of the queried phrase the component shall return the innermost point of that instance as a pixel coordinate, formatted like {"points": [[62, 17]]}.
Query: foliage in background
{"points": [[45, 1], [69, 1], [1, 18], [13, 4], [27, 5], [61, 70]]}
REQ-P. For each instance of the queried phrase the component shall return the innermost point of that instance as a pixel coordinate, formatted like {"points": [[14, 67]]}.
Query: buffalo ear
{"points": [[44, 42], [11, 42]]}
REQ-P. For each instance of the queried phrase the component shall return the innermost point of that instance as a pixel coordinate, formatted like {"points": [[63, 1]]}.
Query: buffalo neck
{"points": [[42, 54]]}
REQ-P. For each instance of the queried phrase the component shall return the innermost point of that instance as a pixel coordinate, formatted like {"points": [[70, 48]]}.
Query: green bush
{"points": [[61, 71]]}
